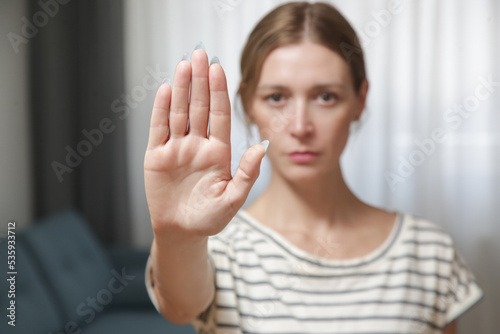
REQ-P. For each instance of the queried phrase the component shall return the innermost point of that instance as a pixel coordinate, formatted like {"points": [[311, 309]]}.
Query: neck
{"points": [[326, 201]]}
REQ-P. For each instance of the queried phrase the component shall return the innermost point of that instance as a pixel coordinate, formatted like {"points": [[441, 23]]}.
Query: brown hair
{"points": [[293, 23]]}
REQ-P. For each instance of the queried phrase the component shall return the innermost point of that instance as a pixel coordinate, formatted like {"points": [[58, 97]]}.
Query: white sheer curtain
{"points": [[429, 141]]}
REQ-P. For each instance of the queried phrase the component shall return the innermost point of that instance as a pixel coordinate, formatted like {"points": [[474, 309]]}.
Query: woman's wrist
{"points": [[174, 235]]}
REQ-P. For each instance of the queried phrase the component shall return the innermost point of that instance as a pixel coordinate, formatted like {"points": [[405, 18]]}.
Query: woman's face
{"points": [[304, 104]]}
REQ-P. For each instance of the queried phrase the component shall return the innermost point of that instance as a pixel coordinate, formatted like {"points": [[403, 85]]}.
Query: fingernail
{"points": [[215, 60], [200, 45], [185, 56], [265, 143]]}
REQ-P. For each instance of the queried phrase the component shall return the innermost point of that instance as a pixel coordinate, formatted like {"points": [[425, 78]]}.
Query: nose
{"points": [[301, 124]]}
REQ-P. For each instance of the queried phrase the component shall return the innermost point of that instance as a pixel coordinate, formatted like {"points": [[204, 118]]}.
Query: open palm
{"points": [[187, 166]]}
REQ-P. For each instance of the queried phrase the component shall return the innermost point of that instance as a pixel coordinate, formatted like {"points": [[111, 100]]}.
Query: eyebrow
{"points": [[314, 88]]}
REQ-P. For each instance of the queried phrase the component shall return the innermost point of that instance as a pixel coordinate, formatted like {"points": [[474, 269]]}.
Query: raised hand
{"points": [[187, 166]]}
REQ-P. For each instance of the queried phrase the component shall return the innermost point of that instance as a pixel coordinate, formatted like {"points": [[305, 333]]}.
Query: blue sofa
{"points": [[67, 282]]}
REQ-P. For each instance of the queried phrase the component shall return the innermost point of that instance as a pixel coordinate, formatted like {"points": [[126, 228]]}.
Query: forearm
{"points": [[183, 278]]}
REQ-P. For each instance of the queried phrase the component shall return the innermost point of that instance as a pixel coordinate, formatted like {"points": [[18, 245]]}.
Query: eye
{"points": [[275, 99], [327, 97]]}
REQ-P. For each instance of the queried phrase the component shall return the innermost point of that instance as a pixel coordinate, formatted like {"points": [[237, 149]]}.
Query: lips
{"points": [[302, 157]]}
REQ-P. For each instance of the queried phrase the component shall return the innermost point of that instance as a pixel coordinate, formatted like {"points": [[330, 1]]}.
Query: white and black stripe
{"points": [[414, 283]]}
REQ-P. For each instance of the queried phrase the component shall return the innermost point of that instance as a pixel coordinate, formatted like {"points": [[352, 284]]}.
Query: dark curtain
{"points": [[76, 72]]}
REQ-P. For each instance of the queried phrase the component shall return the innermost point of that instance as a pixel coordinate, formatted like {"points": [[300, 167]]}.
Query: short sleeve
{"points": [[150, 283], [463, 291]]}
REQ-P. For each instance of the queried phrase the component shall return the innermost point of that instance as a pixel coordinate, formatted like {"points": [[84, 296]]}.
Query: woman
{"points": [[307, 256]]}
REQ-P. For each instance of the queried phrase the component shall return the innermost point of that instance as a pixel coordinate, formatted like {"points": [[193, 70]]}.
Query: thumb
{"points": [[246, 174]]}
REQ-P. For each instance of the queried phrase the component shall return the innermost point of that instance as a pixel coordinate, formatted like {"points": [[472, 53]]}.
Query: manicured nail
{"points": [[185, 56], [265, 143], [200, 45], [215, 60]]}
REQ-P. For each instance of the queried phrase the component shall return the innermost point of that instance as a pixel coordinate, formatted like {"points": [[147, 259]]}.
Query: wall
{"points": [[15, 174]]}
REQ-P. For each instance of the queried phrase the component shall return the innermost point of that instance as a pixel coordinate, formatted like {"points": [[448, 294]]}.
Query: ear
{"points": [[361, 95]]}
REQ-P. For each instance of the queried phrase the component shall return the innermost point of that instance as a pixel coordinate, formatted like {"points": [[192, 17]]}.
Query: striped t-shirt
{"points": [[415, 282]]}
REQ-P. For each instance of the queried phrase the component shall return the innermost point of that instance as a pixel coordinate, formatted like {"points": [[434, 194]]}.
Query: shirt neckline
{"points": [[305, 256]]}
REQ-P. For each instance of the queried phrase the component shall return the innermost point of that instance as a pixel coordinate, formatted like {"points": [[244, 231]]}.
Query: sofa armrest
{"points": [[132, 262]]}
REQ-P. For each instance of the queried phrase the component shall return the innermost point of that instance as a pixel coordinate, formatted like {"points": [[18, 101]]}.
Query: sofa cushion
{"points": [[74, 265], [36, 312], [135, 295]]}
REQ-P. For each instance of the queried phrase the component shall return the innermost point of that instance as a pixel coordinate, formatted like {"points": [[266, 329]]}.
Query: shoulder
{"points": [[421, 224], [435, 249], [421, 233], [425, 245]]}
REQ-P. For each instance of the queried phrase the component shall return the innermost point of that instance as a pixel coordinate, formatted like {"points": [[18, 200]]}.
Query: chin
{"points": [[300, 174]]}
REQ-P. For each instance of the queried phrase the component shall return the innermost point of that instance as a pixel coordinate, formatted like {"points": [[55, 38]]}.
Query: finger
{"points": [[220, 107], [158, 132], [180, 95], [239, 187], [200, 99]]}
